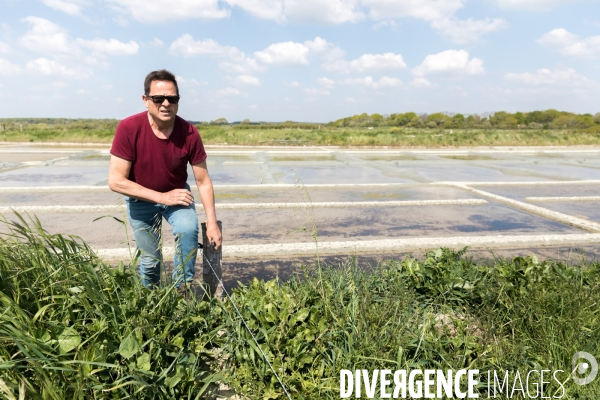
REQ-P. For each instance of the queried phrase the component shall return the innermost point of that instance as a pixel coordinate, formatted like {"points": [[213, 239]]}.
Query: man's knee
{"points": [[187, 226], [151, 257], [150, 266]]}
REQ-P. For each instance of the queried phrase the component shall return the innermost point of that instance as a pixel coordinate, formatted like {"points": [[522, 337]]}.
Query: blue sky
{"points": [[301, 60]]}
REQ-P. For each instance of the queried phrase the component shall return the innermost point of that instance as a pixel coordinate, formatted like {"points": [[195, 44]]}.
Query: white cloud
{"points": [[111, 46], [246, 66], [326, 82], [450, 62], [311, 11], [391, 23], [295, 53], [284, 53], [8, 69], [427, 10], [189, 82], [247, 80], [439, 13], [545, 76], [465, 31], [156, 42], [339, 65], [420, 83], [323, 49], [186, 46], [121, 20], [325, 85], [370, 62], [46, 37], [367, 62], [233, 59], [537, 5], [313, 92], [43, 66], [231, 92], [570, 44], [323, 11], [4, 48], [158, 12], [266, 9], [384, 81], [71, 7], [294, 84], [318, 45]]}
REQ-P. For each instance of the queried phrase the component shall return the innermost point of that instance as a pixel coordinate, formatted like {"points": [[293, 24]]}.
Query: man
{"points": [[148, 165]]}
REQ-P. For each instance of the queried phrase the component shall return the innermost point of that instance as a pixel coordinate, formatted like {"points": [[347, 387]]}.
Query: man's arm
{"points": [[207, 197], [118, 181]]}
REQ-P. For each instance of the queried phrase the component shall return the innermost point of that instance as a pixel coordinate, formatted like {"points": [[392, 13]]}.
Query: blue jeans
{"points": [[146, 220]]}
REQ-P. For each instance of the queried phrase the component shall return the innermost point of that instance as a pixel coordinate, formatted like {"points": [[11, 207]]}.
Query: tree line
{"points": [[548, 119]]}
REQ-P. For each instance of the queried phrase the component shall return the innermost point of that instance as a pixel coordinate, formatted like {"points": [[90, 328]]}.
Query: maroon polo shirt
{"points": [[158, 164]]}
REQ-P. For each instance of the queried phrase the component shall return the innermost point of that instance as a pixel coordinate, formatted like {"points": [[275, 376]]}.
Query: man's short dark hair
{"points": [[160, 75]]}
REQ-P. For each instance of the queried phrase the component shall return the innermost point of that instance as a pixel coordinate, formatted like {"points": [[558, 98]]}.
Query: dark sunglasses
{"points": [[161, 99]]}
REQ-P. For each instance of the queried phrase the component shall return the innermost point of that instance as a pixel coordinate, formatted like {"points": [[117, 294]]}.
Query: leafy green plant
{"points": [[442, 312], [444, 274], [74, 327]]}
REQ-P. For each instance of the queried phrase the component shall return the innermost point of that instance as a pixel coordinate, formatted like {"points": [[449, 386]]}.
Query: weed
{"points": [[442, 312], [73, 327]]}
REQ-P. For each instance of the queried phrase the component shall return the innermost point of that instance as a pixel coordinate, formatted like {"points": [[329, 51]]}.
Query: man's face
{"points": [[165, 111]]}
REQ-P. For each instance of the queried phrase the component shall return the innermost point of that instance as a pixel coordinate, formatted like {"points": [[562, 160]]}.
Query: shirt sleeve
{"points": [[197, 152], [121, 145]]}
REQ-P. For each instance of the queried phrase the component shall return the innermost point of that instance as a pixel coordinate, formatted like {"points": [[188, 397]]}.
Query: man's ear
{"points": [[144, 100]]}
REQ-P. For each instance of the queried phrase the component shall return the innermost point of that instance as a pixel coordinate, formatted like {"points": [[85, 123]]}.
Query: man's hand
{"points": [[177, 197], [213, 234], [207, 196]]}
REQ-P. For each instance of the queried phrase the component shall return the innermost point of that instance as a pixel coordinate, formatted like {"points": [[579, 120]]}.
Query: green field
{"points": [[102, 131], [72, 327], [398, 137]]}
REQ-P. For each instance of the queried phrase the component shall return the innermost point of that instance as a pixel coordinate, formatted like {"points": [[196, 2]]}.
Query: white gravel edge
{"points": [[246, 206], [383, 245]]}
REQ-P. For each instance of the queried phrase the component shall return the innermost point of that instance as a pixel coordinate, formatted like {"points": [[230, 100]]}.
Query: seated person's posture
{"points": [[148, 164]]}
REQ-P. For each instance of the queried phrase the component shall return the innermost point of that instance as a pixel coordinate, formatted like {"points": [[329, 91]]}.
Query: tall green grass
{"points": [[73, 327], [442, 312]]}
